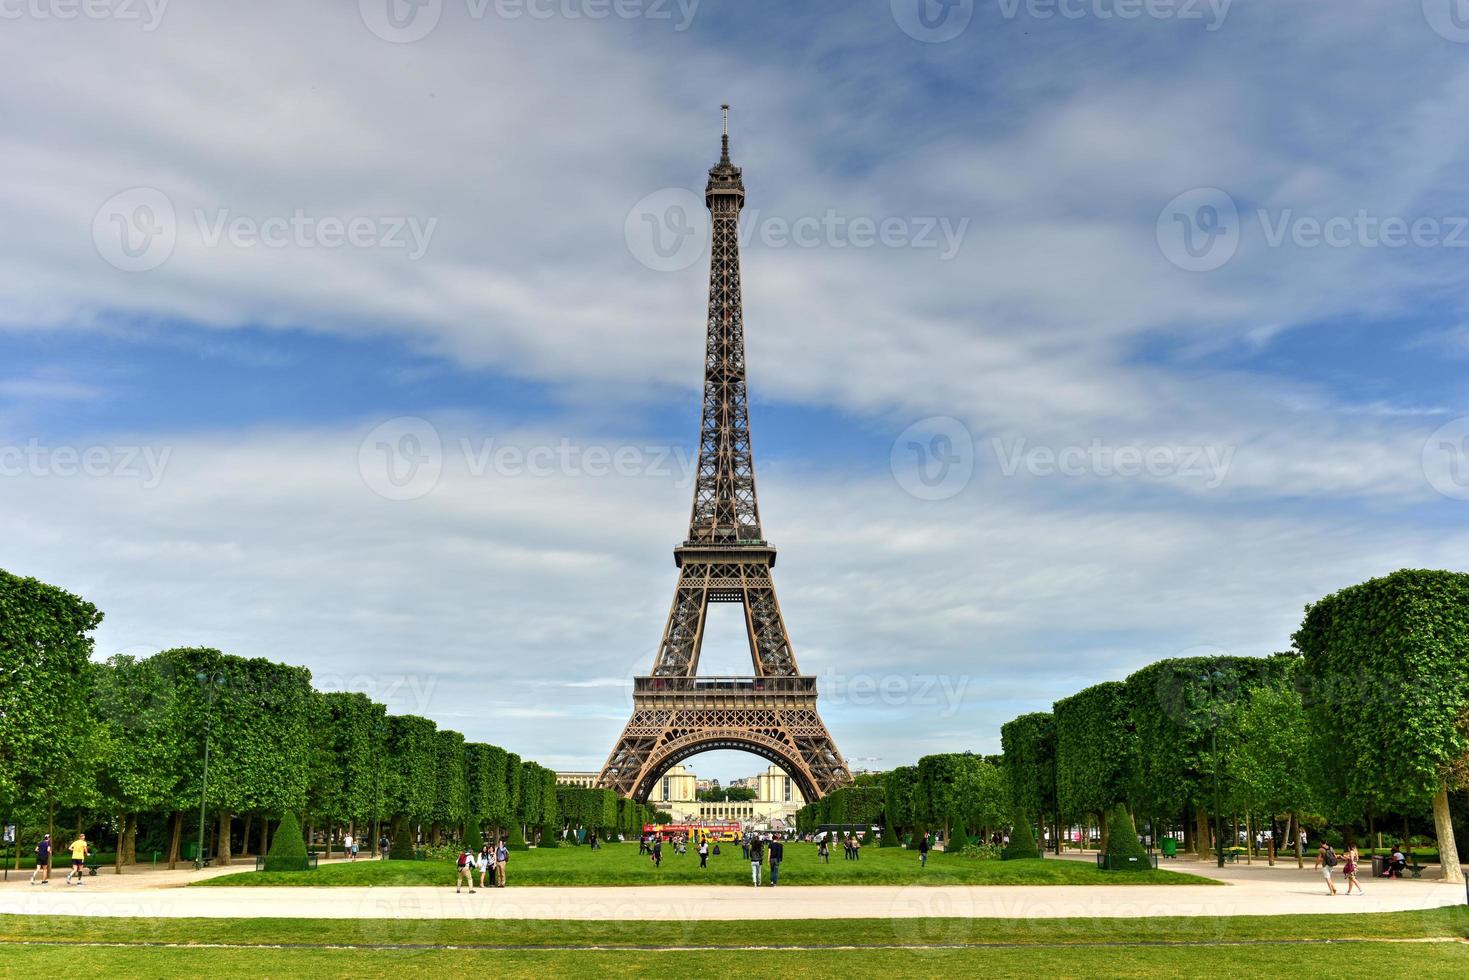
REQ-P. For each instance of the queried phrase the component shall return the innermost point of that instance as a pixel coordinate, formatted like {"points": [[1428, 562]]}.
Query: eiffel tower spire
{"points": [[725, 558]]}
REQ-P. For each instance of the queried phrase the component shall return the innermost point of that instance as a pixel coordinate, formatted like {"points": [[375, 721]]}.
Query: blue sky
{"points": [[1304, 401]]}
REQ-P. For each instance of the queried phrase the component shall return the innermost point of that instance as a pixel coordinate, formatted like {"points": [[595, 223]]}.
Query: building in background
{"points": [[588, 779], [777, 798]]}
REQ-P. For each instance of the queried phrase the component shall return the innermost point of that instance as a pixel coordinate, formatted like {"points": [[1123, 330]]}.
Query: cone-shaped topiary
{"points": [[472, 839], [1022, 842], [889, 835], [549, 837], [1124, 851], [403, 842], [288, 848], [517, 838]]}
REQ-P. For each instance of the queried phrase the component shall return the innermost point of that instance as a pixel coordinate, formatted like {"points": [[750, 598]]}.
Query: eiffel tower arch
{"points": [[771, 713]]}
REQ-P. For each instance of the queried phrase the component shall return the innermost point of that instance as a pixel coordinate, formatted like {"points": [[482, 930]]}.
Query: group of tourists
{"points": [[757, 848], [489, 862], [80, 851]]}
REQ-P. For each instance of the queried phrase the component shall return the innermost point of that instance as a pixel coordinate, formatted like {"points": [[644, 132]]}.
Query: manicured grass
{"points": [[1428, 924], [619, 864], [1376, 960]]}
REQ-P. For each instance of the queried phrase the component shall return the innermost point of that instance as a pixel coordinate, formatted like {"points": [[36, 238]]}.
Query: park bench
{"points": [[92, 868], [1417, 869]]}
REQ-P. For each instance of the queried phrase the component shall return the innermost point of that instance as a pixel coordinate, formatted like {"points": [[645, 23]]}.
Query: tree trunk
{"points": [[130, 836], [222, 849], [1201, 833], [1448, 851], [1295, 835], [1188, 829], [119, 854], [264, 834], [1105, 824], [245, 837], [173, 846], [329, 829]]}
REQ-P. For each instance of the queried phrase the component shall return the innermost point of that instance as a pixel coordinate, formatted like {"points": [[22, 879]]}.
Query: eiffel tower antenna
{"points": [[725, 558]]}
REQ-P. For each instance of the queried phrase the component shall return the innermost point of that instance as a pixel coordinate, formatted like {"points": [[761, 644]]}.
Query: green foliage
{"points": [[1174, 705], [413, 751], [1386, 682], [899, 786], [45, 645], [517, 838], [473, 840], [287, 848], [402, 835], [981, 852], [1029, 744], [1270, 751], [451, 787], [1022, 842], [1096, 747], [350, 739], [1122, 842], [497, 786]]}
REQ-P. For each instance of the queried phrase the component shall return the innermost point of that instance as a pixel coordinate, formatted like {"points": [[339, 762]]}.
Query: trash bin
{"points": [[191, 850], [1170, 847], [1379, 865]]}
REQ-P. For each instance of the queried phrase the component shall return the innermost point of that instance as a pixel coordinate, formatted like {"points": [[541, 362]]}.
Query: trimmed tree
{"points": [[287, 848], [1029, 746], [1022, 842], [1124, 851], [1388, 679], [1095, 750]]}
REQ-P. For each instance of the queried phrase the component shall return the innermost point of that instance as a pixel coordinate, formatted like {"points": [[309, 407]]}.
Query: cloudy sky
{"points": [[367, 336]]}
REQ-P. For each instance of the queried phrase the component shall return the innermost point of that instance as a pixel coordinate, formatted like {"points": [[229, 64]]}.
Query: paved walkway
{"points": [[1249, 890]]}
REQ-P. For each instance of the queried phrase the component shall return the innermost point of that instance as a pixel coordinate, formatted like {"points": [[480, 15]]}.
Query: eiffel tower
{"points": [[676, 713]]}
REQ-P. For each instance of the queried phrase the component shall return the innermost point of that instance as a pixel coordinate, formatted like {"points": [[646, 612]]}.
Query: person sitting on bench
{"points": [[1396, 863]]}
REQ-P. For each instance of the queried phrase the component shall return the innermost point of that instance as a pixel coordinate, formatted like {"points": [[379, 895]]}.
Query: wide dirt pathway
{"points": [[1248, 890]]}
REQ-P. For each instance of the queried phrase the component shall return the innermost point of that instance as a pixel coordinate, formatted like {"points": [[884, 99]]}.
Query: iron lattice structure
{"points": [[725, 558]]}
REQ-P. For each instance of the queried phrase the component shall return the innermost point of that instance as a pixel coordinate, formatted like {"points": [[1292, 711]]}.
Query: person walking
{"points": [[1326, 861], [466, 872], [43, 861], [745, 846], [704, 853], [658, 853], [857, 848], [502, 857], [777, 855], [823, 852], [923, 852], [79, 851], [756, 852], [349, 845], [1349, 869]]}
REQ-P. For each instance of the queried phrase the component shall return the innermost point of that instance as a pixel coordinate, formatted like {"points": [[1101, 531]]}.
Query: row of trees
{"points": [[122, 743], [1366, 719]]}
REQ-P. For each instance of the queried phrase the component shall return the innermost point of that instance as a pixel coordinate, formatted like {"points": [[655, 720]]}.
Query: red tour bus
{"points": [[727, 831]]}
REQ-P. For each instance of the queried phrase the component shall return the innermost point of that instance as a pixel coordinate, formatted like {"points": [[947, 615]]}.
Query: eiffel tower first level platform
{"points": [[772, 713]]}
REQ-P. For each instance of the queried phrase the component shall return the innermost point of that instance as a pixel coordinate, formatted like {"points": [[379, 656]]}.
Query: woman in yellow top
{"points": [[79, 852]]}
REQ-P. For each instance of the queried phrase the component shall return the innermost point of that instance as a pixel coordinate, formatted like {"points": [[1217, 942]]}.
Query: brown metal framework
{"points": [[725, 559]]}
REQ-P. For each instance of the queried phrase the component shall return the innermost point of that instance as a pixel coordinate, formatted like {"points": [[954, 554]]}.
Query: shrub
{"points": [[472, 839], [1122, 843], [980, 852], [403, 842], [287, 848], [1022, 842], [517, 838]]}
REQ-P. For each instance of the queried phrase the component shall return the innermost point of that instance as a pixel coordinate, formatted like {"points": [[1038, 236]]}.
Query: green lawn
{"points": [[1375, 960], [1160, 947], [619, 864]]}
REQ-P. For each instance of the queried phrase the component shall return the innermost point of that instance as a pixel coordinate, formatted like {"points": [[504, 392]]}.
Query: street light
{"points": [[207, 683], [1213, 679]]}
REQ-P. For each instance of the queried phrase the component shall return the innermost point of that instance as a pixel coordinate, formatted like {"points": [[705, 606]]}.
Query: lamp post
{"points": [[208, 683], [380, 730], [1212, 679]]}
